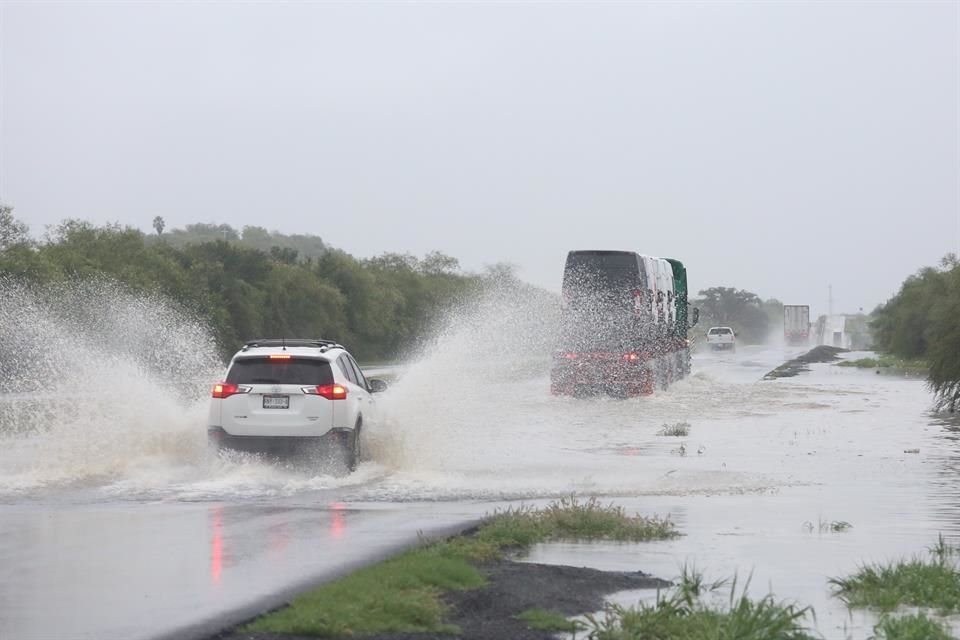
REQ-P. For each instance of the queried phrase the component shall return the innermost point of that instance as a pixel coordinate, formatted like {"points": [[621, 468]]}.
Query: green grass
{"points": [[886, 361], [683, 614], [932, 582], [572, 519], [675, 429], [403, 594], [545, 620], [400, 594], [912, 627]]}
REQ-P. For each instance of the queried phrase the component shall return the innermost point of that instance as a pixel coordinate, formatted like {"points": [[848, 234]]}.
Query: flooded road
{"points": [[124, 530]]}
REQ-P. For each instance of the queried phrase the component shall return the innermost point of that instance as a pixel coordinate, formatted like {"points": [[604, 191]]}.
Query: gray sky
{"points": [[773, 146]]}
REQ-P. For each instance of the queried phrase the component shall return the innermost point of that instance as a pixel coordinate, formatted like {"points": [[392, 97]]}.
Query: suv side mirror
{"points": [[377, 385]]}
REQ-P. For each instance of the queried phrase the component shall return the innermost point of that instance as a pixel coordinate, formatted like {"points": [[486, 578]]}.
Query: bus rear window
{"points": [[602, 270]]}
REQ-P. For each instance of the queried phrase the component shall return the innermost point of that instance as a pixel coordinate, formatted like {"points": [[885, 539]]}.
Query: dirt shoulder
{"points": [[794, 367], [489, 613]]}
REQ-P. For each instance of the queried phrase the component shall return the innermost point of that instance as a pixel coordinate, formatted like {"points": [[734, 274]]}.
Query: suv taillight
{"points": [[226, 389], [328, 391]]}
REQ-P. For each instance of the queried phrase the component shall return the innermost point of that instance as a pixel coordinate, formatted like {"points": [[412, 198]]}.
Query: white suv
{"points": [[286, 396]]}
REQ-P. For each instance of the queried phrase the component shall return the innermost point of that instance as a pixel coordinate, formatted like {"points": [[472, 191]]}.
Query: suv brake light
{"points": [[227, 389], [328, 391]]}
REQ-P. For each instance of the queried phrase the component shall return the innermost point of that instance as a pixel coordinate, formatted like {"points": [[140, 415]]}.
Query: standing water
{"points": [[103, 398]]}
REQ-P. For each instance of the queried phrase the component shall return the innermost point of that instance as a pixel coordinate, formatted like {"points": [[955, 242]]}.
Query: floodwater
{"points": [[105, 487], [840, 446]]}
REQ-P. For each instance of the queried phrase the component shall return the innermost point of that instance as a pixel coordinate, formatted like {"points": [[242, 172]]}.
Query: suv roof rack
{"points": [[320, 343]]}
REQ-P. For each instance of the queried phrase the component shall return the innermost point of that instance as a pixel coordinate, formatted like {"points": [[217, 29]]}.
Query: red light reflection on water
{"points": [[216, 546], [337, 519]]}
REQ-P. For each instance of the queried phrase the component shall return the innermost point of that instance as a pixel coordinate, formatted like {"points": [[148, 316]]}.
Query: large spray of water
{"points": [[97, 381], [105, 389]]}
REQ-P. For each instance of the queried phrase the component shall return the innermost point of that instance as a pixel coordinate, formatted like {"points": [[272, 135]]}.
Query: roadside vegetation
{"points": [[683, 613], [928, 583], [920, 324], [890, 363], [931, 582], [827, 526], [677, 429], [546, 620], [916, 626], [251, 282], [404, 594]]}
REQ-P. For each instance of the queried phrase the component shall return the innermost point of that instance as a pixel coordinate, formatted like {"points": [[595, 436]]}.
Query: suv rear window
{"points": [[722, 331], [305, 371]]}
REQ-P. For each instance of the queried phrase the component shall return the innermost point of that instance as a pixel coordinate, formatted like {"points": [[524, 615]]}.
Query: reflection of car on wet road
{"points": [[721, 338], [286, 396]]}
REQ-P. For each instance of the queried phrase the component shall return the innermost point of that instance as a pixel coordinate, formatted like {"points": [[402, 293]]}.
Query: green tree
{"points": [[737, 308], [379, 307], [901, 326], [12, 231]]}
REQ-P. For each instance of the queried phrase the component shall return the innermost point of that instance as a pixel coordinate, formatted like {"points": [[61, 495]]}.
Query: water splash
{"points": [[96, 382]]}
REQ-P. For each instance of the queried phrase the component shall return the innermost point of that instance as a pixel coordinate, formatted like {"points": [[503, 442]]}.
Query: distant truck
{"points": [[721, 338], [796, 324]]}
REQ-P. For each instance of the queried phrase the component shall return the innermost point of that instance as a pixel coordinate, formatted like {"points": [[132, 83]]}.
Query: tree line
{"points": [[922, 321], [751, 317], [250, 283]]}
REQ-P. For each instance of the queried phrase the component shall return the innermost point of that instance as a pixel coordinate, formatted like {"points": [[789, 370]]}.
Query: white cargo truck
{"points": [[796, 324]]}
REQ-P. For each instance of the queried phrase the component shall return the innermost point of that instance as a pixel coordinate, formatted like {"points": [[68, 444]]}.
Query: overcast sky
{"points": [[778, 147]]}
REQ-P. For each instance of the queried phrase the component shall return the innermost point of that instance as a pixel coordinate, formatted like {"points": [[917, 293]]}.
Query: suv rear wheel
{"points": [[349, 452]]}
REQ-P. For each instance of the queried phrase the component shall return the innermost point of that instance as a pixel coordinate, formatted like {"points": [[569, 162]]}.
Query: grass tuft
{"points": [[545, 620], [827, 526], [678, 429], [912, 627], [932, 582], [571, 519], [683, 614]]}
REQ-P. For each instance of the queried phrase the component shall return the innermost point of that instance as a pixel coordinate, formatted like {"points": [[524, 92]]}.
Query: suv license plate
{"points": [[276, 402]]}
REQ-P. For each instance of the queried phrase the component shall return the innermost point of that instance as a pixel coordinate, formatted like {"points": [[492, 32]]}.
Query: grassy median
{"points": [[404, 594]]}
